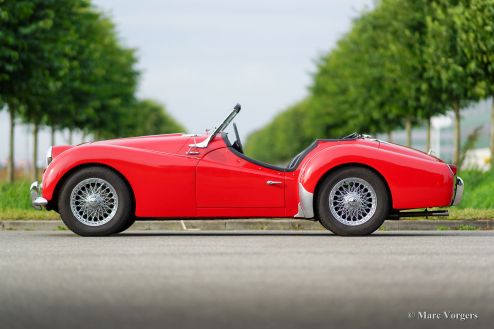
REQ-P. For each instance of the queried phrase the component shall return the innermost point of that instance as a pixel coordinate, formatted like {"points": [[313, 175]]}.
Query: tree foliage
{"points": [[148, 117], [63, 65], [401, 63], [285, 136]]}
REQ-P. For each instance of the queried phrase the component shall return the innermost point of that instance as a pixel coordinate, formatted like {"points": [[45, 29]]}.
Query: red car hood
{"points": [[170, 143]]}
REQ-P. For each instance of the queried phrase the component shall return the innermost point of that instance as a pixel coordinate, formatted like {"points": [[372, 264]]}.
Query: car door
{"points": [[226, 180]]}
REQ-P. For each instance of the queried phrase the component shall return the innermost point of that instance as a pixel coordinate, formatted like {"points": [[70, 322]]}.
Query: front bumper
{"points": [[37, 201], [458, 191]]}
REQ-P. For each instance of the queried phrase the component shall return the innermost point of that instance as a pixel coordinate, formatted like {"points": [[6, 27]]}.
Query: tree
{"points": [[148, 117], [283, 138], [107, 93], [53, 67], [475, 39], [99, 89], [62, 65], [365, 82], [447, 63], [22, 24], [34, 57], [374, 80]]}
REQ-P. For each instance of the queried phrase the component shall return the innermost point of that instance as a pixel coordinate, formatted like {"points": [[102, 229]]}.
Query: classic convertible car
{"points": [[351, 185]]}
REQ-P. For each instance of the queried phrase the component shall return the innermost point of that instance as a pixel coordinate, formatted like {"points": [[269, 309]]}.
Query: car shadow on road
{"points": [[295, 233], [198, 233]]}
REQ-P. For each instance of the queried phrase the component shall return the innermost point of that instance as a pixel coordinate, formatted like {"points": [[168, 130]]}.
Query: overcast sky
{"points": [[200, 57]]}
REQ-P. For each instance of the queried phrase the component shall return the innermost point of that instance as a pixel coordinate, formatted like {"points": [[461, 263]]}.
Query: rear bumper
{"points": [[37, 201], [458, 191]]}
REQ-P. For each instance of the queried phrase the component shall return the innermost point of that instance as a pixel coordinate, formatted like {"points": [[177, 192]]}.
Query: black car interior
{"points": [[237, 148]]}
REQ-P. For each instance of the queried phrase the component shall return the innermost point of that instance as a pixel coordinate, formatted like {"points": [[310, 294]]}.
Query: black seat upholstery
{"points": [[299, 157], [294, 163]]}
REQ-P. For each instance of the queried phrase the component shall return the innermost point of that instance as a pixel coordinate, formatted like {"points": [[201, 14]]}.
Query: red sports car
{"points": [[351, 185]]}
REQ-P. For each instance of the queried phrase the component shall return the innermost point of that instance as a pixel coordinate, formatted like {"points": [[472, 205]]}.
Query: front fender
{"points": [[154, 177]]}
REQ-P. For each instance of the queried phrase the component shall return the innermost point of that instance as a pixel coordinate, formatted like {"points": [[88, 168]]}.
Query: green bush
{"points": [[479, 187], [15, 196], [15, 203]]}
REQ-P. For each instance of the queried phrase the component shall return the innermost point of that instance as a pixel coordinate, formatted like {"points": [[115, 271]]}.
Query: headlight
{"points": [[49, 156]]}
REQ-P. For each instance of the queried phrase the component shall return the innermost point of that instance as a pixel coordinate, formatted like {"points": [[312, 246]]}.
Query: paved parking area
{"points": [[247, 280]]}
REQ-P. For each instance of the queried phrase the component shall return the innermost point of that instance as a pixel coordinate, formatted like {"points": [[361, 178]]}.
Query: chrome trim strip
{"points": [[305, 206], [40, 203], [459, 186]]}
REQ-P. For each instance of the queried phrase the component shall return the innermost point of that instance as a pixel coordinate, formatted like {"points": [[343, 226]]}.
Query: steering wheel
{"points": [[238, 143]]}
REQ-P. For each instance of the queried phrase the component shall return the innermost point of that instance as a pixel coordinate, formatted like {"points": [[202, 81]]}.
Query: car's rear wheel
{"points": [[95, 201], [353, 201]]}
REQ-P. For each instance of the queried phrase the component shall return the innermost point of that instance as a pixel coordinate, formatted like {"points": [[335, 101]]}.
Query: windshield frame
{"points": [[220, 128]]}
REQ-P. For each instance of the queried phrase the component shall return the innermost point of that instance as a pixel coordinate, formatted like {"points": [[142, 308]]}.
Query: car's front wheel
{"points": [[95, 201], [353, 201]]}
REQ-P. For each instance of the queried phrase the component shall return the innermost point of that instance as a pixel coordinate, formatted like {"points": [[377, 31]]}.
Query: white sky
{"points": [[201, 57]]}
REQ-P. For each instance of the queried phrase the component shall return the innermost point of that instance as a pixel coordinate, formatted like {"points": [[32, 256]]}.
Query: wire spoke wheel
{"points": [[352, 201], [94, 201]]}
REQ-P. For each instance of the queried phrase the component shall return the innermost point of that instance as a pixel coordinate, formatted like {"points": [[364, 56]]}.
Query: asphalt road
{"points": [[246, 280]]}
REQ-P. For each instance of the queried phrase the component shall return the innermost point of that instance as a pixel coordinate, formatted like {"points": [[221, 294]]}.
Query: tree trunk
{"points": [[83, 136], [11, 162], [35, 151], [52, 136], [457, 136], [408, 128], [492, 134], [428, 135], [390, 136], [71, 136]]}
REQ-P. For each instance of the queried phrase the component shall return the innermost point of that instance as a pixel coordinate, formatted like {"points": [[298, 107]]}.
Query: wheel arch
{"points": [[344, 166], [58, 187]]}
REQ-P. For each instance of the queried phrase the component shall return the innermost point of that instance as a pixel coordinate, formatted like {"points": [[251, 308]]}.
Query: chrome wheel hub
{"points": [[94, 202], [352, 201]]}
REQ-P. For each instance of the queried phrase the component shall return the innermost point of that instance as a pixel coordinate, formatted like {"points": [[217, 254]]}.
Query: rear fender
{"points": [[412, 182]]}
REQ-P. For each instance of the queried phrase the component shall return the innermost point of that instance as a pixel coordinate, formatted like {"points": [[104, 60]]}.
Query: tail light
{"points": [[452, 167]]}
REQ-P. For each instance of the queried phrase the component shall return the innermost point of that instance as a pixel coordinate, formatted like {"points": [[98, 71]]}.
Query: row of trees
{"points": [[63, 66], [402, 63]]}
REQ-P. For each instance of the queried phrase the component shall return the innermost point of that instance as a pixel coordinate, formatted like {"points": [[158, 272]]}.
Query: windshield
{"points": [[221, 127], [227, 121]]}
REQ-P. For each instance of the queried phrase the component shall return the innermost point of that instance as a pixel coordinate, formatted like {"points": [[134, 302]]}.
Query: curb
{"points": [[255, 225]]}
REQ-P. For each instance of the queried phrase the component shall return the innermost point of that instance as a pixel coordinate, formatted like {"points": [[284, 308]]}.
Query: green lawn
{"points": [[23, 214], [477, 203], [479, 190], [465, 213]]}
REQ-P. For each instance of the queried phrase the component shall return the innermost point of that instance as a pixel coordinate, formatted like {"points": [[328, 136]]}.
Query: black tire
{"points": [[127, 225], [339, 181], [122, 209]]}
